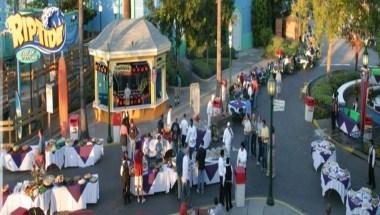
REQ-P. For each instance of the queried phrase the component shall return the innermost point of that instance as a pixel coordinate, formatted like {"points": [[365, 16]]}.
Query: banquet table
{"points": [[210, 177], [156, 182], [82, 156], [19, 161], [236, 105], [74, 197], [57, 157], [335, 178], [322, 151], [362, 202], [17, 200]]}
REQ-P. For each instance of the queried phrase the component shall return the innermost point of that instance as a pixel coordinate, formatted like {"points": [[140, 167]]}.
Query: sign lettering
{"points": [[48, 35]]}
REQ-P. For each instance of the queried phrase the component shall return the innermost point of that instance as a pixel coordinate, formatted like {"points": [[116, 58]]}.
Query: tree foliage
{"points": [[261, 21], [195, 20], [335, 19]]}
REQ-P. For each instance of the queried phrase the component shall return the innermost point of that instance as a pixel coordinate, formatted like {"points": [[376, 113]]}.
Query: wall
{"points": [[244, 6]]}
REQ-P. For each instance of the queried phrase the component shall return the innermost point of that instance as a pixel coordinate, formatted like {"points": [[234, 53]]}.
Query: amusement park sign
{"points": [[47, 35], [28, 55]]}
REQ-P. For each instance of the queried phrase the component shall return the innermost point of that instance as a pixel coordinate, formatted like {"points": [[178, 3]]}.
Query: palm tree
{"points": [[218, 47], [83, 114], [127, 9]]}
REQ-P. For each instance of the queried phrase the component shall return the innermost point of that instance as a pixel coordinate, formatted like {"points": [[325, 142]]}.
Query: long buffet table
{"points": [[66, 156], [57, 198]]}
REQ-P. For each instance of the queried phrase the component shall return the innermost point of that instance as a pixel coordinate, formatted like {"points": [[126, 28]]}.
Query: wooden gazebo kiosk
{"points": [[131, 54]]}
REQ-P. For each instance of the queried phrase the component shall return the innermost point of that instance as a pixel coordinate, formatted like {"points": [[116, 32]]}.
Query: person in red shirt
{"points": [[183, 208], [241, 78], [255, 86], [138, 167]]}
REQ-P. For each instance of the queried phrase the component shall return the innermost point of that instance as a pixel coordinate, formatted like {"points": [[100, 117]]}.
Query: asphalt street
{"points": [[296, 182]]}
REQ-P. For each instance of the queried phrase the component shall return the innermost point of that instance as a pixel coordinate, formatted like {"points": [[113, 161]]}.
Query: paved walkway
{"points": [[258, 206]]}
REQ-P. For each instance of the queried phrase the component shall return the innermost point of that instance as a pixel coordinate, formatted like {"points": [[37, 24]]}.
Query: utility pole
{"points": [[219, 47], [83, 113], [127, 9]]}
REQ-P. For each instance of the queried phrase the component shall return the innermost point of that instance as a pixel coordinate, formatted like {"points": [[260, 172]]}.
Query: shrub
{"points": [[265, 36], [323, 89], [205, 71], [172, 72], [288, 46]]}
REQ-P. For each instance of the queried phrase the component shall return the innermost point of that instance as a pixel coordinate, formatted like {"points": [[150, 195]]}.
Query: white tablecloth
{"points": [[322, 154], [334, 183], [62, 200], [164, 181], [26, 163], [57, 158], [16, 200], [72, 158], [359, 202]]}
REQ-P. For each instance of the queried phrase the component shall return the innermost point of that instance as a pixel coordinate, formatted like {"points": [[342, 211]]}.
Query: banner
{"points": [[63, 96], [47, 35]]}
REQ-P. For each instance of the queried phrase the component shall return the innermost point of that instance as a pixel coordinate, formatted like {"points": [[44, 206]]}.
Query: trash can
{"points": [[309, 108], [367, 135], [116, 123], [74, 126], [240, 186]]}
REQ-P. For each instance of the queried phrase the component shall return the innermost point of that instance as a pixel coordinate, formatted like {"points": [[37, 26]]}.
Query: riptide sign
{"points": [[47, 35]]}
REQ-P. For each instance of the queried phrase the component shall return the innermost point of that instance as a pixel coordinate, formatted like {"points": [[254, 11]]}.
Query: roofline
{"points": [[135, 53]]}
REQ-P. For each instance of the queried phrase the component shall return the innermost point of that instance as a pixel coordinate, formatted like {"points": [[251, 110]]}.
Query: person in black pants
{"points": [[253, 136], [227, 181], [221, 171], [371, 166]]}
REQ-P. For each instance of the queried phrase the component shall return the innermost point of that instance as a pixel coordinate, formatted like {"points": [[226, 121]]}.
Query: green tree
{"points": [[261, 22]]}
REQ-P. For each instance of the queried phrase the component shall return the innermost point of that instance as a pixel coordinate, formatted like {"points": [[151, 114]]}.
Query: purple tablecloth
{"points": [[348, 123], [211, 170], [19, 156], [148, 183], [84, 151], [237, 104], [76, 190]]}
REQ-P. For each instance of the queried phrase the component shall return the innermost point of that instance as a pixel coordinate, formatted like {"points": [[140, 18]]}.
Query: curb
{"points": [[259, 198]]}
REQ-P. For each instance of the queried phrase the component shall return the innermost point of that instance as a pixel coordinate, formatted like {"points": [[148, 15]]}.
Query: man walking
{"points": [[253, 135], [191, 138], [138, 167], [227, 138], [265, 141], [179, 160], [227, 181], [221, 171], [184, 127], [247, 128], [210, 110], [133, 132], [371, 166], [200, 158], [176, 132], [259, 127]]}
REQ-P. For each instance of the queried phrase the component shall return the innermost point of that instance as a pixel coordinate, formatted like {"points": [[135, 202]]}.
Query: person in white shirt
{"points": [[242, 156], [221, 171], [247, 128], [127, 94], [210, 110], [207, 138], [186, 175], [184, 126], [191, 138], [227, 138], [169, 117], [371, 166]]}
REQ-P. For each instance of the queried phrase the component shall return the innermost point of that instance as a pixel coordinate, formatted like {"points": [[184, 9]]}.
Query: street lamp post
{"points": [[230, 46], [363, 91], [271, 87], [100, 9], [109, 138]]}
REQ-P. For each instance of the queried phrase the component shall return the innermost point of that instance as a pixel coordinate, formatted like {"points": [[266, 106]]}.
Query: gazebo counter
{"points": [[139, 113]]}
